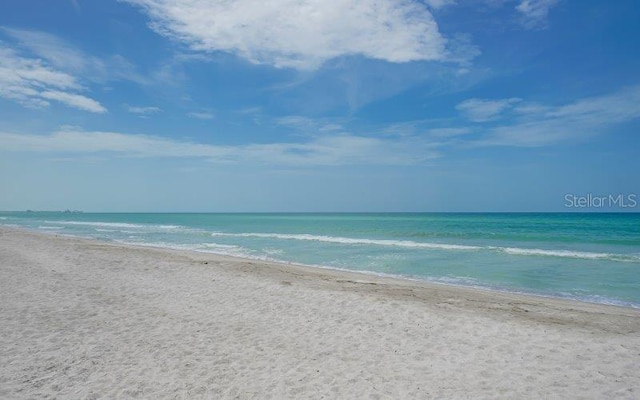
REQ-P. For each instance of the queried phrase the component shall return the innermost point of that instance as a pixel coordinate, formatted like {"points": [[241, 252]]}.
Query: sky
{"points": [[318, 105]]}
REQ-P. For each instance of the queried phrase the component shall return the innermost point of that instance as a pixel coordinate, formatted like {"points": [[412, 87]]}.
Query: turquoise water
{"points": [[590, 257]]}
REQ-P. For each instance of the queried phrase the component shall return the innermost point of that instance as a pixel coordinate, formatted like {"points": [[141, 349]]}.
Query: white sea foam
{"points": [[115, 230], [554, 253], [473, 283], [438, 246], [237, 251], [569, 254], [218, 246], [599, 300], [170, 227], [102, 224], [344, 240], [272, 254], [50, 227], [214, 248]]}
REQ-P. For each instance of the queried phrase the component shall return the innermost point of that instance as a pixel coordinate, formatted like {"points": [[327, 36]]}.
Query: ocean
{"points": [[589, 257]]}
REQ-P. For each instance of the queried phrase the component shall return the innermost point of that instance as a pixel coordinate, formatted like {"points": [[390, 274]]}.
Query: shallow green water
{"points": [[591, 257]]}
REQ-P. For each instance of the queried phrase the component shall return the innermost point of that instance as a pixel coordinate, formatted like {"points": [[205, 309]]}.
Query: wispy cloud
{"points": [[438, 130], [534, 13], [326, 150], [74, 100], [33, 83], [308, 125], [481, 110], [436, 4], [519, 123], [205, 115], [544, 125], [302, 34], [449, 132], [143, 111], [68, 58]]}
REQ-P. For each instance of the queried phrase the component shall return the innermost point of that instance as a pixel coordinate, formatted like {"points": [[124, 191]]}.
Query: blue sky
{"points": [[334, 105]]}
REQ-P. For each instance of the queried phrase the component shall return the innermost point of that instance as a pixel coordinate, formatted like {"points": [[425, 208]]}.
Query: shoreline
{"points": [[357, 280], [85, 318], [400, 278]]}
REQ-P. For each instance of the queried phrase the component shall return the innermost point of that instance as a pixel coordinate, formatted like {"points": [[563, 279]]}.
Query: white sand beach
{"points": [[87, 319]]}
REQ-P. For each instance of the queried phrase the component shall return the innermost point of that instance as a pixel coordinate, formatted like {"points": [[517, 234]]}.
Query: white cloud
{"points": [[317, 151], [74, 100], [66, 57], [33, 83], [535, 12], [308, 125], [481, 110], [580, 119], [401, 129], [205, 115], [495, 3], [449, 132], [330, 128], [436, 4], [302, 34], [621, 106], [296, 121], [46, 46], [143, 111], [426, 127], [462, 50], [530, 108]]}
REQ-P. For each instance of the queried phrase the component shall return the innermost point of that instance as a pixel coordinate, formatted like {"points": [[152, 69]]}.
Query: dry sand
{"points": [[86, 319]]}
